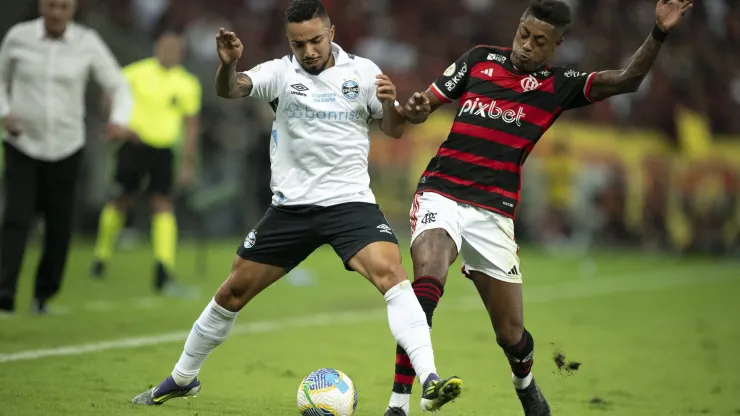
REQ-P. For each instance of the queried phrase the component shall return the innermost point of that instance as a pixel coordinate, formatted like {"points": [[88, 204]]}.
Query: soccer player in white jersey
{"points": [[324, 100]]}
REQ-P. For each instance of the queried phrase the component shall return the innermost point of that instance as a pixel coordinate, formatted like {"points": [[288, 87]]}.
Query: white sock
{"points": [[400, 400], [209, 331], [409, 327], [521, 383]]}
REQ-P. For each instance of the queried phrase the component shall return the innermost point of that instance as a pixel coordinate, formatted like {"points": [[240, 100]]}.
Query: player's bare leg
{"points": [[246, 280], [503, 301], [380, 263], [432, 253]]}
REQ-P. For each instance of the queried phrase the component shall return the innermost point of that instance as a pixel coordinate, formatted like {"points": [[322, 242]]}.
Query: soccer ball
{"points": [[327, 392]]}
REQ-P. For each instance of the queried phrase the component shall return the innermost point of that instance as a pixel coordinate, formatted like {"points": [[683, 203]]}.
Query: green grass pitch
{"points": [[654, 336]]}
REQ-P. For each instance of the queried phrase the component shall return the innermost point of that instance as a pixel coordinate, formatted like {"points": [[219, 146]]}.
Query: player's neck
{"points": [[528, 72], [331, 63]]}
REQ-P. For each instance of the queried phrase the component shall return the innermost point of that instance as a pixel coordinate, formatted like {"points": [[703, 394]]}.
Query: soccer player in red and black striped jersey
{"points": [[467, 197]]}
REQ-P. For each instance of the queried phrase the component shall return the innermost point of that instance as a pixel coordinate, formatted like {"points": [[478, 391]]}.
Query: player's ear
{"points": [[559, 41], [331, 33]]}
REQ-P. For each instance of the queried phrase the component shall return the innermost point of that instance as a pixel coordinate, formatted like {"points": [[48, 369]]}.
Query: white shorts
{"points": [[484, 238]]}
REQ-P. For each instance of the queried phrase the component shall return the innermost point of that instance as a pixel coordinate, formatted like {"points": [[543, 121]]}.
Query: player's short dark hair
{"points": [[161, 30], [554, 12], [301, 10]]}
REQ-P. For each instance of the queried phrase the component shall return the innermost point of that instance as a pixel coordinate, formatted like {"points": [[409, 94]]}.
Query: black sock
{"points": [[521, 355]]}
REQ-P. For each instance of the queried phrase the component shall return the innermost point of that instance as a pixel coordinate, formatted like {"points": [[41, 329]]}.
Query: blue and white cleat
{"points": [[167, 390]]}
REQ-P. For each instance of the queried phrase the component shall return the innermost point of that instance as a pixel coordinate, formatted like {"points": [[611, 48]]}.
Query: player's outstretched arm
{"points": [[420, 106], [669, 14], [230, 84]]}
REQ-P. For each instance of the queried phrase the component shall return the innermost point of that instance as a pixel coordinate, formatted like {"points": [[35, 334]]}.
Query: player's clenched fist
{"points": [[418, 108], [386, 91], [229, 47]]}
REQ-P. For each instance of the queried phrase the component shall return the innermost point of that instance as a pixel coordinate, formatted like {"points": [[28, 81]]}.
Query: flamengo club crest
{"points": [[530, 83]]}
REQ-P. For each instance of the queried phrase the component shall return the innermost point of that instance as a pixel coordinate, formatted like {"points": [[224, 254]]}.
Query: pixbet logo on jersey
{"points": [[491, 110]]}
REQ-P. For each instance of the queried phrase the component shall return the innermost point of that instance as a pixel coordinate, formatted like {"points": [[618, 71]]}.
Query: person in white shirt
{"points": [[324, 100], [44, 67]]}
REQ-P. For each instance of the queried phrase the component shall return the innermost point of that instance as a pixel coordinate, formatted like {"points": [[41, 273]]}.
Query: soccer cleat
{"points": [[167, 390], [97, 270], [38, 307], [533, 401], [438, 392], [161, 277], [165, 284], [395, 411]]}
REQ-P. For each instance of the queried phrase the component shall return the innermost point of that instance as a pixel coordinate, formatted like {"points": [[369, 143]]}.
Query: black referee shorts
{"points": [[286, 235], [136, 162]]}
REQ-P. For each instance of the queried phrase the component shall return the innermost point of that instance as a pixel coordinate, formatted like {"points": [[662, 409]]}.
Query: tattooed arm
{"points": [[622, 81], [230, 84], [668, 14]]}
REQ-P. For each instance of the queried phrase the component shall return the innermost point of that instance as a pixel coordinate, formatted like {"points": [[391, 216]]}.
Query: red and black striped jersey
{"points": [[502, 113]]}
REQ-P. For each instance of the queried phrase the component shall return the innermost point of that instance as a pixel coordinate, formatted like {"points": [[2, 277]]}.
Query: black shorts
{"points": [[136, 161], [286, 235]]}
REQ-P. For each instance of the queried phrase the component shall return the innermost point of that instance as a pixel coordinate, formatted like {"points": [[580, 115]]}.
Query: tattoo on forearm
{"points": [[230, 84], [243, 85], [609, 83]]}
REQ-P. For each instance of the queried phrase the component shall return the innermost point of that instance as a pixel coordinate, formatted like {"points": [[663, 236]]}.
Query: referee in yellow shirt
{"points": [[166, 98]]}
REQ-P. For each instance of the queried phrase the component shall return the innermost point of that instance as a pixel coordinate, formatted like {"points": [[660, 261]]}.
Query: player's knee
{"points": [[17, 219], [509, 333], [232, 296], [429, 263], [236, 291], [432, 254], [123, 202], [160, 203], [246, 280], [387, 275]]}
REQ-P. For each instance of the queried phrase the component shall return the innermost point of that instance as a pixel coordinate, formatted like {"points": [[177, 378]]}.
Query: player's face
{"points": [[57, 14], [169, 50], [534, 43], [311, 43]]}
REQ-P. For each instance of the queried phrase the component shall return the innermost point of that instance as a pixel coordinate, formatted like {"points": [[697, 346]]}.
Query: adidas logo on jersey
{"points": [[488, 72]]}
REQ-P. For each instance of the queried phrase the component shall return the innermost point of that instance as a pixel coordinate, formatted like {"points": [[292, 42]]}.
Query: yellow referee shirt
{"points": [[163, 98]]}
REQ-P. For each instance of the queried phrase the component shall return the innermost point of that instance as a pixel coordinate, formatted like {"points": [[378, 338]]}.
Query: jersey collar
{"points": [[516, 71], [340, 57], [41, 30]]}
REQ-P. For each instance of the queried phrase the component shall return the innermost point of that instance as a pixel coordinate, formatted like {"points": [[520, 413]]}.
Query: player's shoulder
{"points": [[364, 65], [568, 73], [143, 68], [282, 64], [188, 78], [83, 33], [23, 29], [140, 64]]}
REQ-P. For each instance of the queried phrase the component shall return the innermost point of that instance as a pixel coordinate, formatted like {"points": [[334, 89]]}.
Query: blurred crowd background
{"points": [[659, 169]]}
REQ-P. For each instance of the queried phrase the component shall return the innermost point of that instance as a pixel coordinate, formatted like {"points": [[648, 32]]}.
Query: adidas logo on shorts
{"points": [[513, 272]]}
